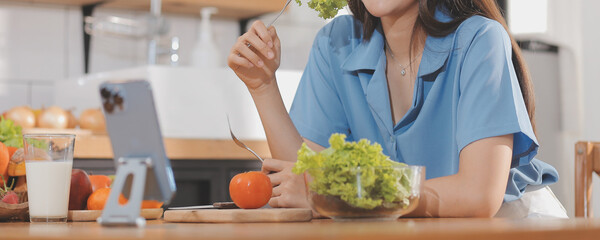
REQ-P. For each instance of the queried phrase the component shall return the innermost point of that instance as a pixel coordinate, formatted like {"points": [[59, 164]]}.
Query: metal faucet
{"points": [[150, 29], [174, 55], [172, 50], [155, 11]]}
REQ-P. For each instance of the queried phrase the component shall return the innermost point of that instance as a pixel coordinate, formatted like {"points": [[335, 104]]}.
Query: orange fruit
{"points": [[11, 151], [250, 189], [98, 198], [100, 181], [4, 160]]}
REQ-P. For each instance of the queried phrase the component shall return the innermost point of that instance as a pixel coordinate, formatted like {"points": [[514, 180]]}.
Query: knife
{"points": [[217, 205]]}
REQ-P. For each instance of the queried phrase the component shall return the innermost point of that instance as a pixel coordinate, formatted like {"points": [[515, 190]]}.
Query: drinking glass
{"points": [[48, 163]]}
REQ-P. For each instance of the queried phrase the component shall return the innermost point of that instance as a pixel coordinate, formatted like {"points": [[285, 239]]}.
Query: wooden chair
{"points": [[587, 162]]}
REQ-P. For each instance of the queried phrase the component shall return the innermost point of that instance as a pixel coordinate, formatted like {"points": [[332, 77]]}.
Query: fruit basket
{"points": [[15, 212]]}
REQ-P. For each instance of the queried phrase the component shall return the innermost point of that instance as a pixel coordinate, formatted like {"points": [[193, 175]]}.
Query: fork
{"points": [[275, 19], [280, 12], [240, 143]]}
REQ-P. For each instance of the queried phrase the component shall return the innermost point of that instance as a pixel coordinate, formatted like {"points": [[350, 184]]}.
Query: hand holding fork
{"points": [[256, 55]]}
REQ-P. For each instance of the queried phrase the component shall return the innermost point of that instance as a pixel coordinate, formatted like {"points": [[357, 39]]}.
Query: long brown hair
{"points": [[459, 10]]}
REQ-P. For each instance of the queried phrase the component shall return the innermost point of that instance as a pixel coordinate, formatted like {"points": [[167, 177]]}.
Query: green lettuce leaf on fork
{"points": [[334, 172], [326, 8]]}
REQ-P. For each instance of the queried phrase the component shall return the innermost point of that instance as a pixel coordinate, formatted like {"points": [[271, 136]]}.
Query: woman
{"points": [[438, 83]]}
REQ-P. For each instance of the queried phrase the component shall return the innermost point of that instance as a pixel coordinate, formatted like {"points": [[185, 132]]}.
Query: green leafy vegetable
{"points": [[10, 134], [357, 172], [326, 8]]}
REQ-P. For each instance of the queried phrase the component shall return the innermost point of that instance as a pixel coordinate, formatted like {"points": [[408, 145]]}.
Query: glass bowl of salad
{"points": [[356, 181], [364, 193]]}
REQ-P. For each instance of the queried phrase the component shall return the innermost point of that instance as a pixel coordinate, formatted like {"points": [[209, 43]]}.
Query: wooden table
{"points": [[501, 229]]}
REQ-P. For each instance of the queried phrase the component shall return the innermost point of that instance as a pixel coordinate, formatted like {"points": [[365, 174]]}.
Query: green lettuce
{"points": [[10, 134], [326, 8], [334, 170]]}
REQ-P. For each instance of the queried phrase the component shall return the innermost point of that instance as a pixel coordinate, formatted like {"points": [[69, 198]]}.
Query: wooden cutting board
{"points": [[92, 215], [239, 215]]}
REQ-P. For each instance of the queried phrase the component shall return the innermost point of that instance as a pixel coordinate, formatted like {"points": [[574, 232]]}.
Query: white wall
{"points": [[26, 75]]}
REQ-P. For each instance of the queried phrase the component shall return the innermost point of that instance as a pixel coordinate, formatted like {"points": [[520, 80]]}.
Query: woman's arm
{"points": [[477, 190], [282, 136], [255, 58], [255, 65]]}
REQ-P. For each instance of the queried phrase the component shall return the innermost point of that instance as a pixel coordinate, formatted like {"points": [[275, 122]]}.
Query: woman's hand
{"points": [[289, 190], [255, 56]]}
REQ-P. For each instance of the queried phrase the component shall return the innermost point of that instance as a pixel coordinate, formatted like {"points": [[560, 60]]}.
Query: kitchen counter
{"points": [[503, 229], [98, 147]]}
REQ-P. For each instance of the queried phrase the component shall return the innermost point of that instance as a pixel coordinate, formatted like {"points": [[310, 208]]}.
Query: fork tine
{"points": [[231, 132], [240, 143], [280, 12], [237, 142], [275, 19]]}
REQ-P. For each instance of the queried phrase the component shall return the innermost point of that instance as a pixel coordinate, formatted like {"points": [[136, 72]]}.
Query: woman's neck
{"points": [[398, 29]]}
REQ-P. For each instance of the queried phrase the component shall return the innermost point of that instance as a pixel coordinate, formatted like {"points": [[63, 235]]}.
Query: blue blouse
{"points": [[466, 90]]}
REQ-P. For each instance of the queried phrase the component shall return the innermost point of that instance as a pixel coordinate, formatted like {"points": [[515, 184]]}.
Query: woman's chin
{"points": [[379, 8]]}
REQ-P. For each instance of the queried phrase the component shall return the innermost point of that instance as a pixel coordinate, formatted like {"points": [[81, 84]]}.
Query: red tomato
{"points": [[250, 190]]}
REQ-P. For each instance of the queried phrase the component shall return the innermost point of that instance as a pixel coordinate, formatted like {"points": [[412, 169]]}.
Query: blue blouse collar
{"points": [[366, 55]]}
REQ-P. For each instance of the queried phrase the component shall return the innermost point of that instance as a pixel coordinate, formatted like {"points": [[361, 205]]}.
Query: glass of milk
{"points": [[48, 163]]}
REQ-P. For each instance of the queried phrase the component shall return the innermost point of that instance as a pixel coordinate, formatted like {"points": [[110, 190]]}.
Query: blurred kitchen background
{"points": [[46, 59]]}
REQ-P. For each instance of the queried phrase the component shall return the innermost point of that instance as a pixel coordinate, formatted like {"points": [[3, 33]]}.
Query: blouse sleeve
{"points": [[317, 111], [490, 101]]}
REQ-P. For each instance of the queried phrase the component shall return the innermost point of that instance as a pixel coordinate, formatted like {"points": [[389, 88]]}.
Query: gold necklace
{"points": [[403, 69]]}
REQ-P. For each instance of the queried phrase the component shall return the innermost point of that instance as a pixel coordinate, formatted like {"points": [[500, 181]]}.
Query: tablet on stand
{"points": [[143, 169]]}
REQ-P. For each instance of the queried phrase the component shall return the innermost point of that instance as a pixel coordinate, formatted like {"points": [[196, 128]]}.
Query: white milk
{"points": [[48, 185]]}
